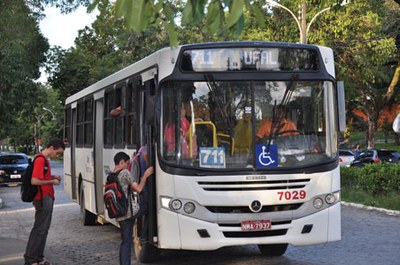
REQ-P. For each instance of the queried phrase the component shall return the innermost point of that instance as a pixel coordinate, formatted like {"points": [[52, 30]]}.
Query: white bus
{"points": [[220, 179]]}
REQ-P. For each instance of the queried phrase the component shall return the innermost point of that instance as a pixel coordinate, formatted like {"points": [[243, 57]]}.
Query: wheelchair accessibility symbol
{"points": [[265, 157]]}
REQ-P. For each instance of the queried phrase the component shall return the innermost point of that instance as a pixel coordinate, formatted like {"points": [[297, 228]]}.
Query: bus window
{"points": [[108, 119], [88, 123], [228, 107], [119, 132], [132, 110], [80, 123], [67, 126], [211, 113]]}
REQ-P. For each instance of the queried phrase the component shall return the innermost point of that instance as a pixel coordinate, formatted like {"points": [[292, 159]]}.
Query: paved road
{"points": [[368, 237]]}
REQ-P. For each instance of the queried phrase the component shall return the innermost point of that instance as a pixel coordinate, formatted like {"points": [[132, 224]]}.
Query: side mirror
{"points": [[396, 124], [341, 106]]}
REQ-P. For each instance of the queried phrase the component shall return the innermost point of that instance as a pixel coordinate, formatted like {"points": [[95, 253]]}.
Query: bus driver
{"points": [[278, 124]]}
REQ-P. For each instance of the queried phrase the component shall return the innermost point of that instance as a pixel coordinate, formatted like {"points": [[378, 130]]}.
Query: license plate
{"points": [[17, 176], [257, 225]]}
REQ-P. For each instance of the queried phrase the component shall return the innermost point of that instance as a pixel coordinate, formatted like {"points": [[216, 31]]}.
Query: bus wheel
{"points": [[87, 217], [273, 250], [145, 252]]}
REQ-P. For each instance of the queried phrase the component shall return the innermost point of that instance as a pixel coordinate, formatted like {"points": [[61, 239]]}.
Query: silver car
{"points": [[345, 158]]}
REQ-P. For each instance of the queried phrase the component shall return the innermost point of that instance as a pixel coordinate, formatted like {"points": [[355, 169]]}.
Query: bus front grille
{"points": [[268, 233], [274, 223], [286, 184], [246, 209]]}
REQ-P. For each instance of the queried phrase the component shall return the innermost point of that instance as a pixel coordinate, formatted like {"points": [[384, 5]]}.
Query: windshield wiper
{"points": [[276, 125], [220, 107]]}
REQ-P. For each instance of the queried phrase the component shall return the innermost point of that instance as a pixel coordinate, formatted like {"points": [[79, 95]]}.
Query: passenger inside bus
{"points": [[186, 140], [116, 111], [243, 136], [278, 124]]}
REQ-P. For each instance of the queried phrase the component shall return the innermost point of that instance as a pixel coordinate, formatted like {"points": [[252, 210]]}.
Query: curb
{"points": [[370, 208]]}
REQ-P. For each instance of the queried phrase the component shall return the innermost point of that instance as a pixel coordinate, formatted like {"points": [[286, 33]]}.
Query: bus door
{"points": [[147, 118], [98, 153], [72, 139]]}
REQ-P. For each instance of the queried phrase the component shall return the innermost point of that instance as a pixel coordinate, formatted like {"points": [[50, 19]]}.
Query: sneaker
{"points": [[44, 262]]}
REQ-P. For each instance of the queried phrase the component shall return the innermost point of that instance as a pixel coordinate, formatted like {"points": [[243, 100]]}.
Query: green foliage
{"points": [[349, 177], [100, 51], [375, 179], [22, 49], [375, 185]]}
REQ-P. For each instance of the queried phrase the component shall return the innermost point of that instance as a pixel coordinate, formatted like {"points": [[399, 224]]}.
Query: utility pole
{"points": [[303, 22]]}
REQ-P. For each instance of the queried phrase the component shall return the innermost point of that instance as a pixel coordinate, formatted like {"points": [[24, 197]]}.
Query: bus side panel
{"points": [[107, 165], [70, 180], [169, 229], [85, 172], [68, 187], [98, 155], [167, 221]]}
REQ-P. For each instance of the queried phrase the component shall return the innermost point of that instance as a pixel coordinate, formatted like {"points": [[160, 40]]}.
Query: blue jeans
{"points": [[125, 249], [37, 239]]}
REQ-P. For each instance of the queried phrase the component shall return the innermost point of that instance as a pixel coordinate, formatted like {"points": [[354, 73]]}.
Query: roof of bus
{"points": [[160, 57]]}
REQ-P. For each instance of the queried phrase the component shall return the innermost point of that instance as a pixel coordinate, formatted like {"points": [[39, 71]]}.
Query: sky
{"points": [[61, 30]]}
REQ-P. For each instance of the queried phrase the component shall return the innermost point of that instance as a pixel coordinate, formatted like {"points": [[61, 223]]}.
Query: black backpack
{"points": [[114, 198], [29, 191]]}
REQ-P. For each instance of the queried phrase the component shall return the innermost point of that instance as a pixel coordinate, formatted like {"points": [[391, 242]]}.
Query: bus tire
{"points": [[145, 252], [87, 218], [273, 250]]}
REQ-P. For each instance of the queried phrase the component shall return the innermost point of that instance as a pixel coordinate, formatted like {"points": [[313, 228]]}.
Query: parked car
{"points": [[371, 156], [345, 158], [12, 167]]}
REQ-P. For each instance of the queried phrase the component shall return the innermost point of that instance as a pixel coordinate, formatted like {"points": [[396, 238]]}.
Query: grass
{"points": [[389, 201], [359, 137]]}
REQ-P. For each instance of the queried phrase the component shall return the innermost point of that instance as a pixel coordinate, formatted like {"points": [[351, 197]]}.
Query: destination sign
{"points": [[250, 59]]}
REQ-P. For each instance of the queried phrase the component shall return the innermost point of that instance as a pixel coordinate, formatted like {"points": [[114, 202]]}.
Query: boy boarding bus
{"points": [[229, 169]]}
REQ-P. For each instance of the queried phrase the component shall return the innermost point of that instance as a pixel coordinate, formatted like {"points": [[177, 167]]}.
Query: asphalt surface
{"points": [[13, 249], [16, 214]]}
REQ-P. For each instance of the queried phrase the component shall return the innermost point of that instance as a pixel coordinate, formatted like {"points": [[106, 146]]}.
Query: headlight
{"points": [[318, 203], [178, 205], [175, 204], [330, 198], [165, 202], [189, 207], [2, 172]]}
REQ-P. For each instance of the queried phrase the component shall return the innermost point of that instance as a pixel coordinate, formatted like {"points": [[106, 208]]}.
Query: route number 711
{"points": [[213, 157]]}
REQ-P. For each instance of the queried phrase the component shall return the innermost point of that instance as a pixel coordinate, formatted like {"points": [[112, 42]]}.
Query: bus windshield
{"points": [[247, 124]]}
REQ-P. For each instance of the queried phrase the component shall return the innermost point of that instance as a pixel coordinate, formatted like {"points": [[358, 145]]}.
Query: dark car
{"points": [[12, 167], [371, 156]]}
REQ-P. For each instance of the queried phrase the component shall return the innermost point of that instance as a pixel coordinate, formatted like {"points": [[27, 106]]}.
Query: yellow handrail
{"points": [[193, 131]]}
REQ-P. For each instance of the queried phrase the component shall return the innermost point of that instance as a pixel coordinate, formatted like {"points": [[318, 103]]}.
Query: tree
{"points": [[100, 51], [365, 53], [22, 49], [360, 35]]}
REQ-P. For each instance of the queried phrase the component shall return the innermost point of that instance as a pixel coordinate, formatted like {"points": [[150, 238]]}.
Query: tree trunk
{"points": [[392, 87], [370, 137]]}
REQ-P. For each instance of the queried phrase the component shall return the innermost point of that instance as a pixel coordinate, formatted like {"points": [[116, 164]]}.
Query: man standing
{"points": [[128, 182], [43, 202]]}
